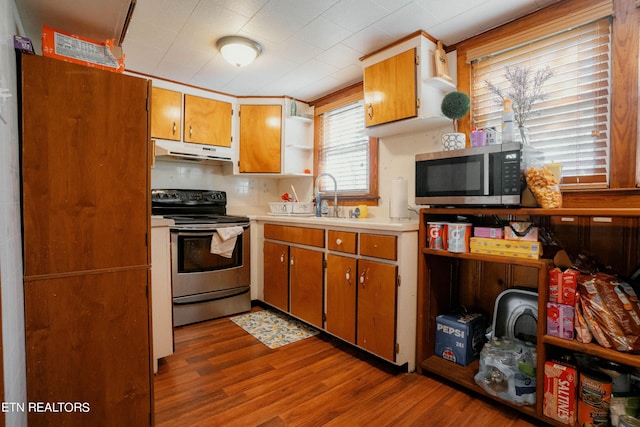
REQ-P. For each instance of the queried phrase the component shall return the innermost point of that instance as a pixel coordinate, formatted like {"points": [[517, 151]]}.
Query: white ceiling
{"points": [[311, 47]]}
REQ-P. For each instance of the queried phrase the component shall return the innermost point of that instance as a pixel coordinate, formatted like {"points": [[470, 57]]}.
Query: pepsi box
{"points": [[460, 337]]}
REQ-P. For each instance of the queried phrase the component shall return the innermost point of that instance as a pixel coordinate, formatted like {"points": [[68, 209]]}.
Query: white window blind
{"points": [[571, 124], [344, 150]]}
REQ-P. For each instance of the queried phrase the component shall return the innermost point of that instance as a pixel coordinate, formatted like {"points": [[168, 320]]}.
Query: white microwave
{"points": [[477, 176]]}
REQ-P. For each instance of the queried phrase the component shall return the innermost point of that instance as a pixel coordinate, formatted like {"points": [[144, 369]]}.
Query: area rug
{"points": [[273, 329]]}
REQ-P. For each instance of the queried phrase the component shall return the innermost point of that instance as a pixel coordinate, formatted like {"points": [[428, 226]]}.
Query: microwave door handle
{"points": [[486, 174]]}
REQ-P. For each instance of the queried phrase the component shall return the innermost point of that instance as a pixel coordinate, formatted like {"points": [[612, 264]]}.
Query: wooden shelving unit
{"points": [[446, 280]]}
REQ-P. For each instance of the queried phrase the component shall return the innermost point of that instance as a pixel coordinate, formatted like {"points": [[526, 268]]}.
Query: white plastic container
{"points": [[291, 208]]}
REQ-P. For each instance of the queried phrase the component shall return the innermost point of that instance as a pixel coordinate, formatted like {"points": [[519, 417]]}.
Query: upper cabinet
{"points": [[260, 138], [276, 138], [402, 93], [207, 121], [390, 89], [166, 114]]}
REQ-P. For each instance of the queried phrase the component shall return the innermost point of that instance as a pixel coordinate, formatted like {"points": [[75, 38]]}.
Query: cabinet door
{"points": [[306, 269], [377, 308], [276, 275], [207, 121], [84, 157], [260, 138], [166, 114], [87, 340], [342, 282], [390, 92]]}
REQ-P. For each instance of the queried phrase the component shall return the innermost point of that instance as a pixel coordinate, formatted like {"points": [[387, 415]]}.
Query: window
{"points": [[346, 152], [571, 125]]}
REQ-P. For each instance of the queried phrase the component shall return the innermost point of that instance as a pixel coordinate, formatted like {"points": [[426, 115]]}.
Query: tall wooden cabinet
{"points": [[85, 156]]}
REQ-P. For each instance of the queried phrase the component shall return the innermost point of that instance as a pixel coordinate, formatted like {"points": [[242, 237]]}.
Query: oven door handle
{"points": [[210, 296], [186, 231]]}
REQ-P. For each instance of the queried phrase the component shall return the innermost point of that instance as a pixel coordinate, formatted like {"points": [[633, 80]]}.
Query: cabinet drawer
{"points": [[300, 235], [342, 241], [379, 246]]}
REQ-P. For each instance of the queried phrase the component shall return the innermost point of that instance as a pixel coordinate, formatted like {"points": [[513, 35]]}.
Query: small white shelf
{"points": [[299, 146], [303, 119], [442, 84]]}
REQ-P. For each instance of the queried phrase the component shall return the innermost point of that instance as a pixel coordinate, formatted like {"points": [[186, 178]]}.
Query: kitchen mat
{"points": [[274, 329]]}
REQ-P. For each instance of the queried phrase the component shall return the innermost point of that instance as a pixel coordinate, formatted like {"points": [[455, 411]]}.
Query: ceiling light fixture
{"points": [[239, 51]]}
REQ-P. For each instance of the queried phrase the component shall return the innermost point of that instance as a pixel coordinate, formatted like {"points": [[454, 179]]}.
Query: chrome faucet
{"points": [[319, 195]]}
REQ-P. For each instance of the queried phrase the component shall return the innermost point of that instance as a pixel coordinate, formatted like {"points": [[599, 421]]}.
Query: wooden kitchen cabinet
{"points": [[306, 271], [207, 121], [342, 283], [276, 273], [86, 259], [390, 89], [377, 286], [260, 138], [166, 114], [294, 274], [449, 280]]}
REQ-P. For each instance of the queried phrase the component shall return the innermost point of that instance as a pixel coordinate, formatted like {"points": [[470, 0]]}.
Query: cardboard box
{"points": [[459, 338], [560, 320], [503, 253], [521, 231], [555, 283], [560, 389], [515, 246], [567, 293], [488, 232]]}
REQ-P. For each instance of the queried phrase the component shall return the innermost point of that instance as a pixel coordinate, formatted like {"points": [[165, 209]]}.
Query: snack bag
{"points": [[544, 186]]}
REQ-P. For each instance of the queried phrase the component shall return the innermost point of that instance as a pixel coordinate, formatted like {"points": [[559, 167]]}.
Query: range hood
{"points": [[173, 150]]}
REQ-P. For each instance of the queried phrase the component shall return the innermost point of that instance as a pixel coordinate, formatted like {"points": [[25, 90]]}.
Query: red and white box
{"points": [[567, 293], [555, 284], [560, 320], [560, 392]]}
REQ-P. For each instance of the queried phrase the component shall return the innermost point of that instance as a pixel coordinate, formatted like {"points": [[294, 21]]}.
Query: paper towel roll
{"points": [[399, 201]]}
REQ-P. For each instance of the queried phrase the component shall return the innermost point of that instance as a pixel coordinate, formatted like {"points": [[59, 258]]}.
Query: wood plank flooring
{"points": [[220, 375]]}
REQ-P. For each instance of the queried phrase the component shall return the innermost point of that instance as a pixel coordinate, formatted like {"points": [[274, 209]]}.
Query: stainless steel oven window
{"points": [[194, 253]]}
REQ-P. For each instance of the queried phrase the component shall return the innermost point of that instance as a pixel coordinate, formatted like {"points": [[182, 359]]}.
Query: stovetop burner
{"points": [[193, 206]]}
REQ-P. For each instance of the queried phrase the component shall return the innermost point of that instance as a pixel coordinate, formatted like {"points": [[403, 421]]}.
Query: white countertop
{"points": [[364, 223], [160, 221]]}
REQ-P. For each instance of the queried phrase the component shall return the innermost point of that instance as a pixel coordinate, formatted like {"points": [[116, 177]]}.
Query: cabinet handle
{"points": [[338, 242], [347, 276], [190, 131], [291, 261], [174, 128], [370, 111], [362, 277], [602, 219], [282, 257]]}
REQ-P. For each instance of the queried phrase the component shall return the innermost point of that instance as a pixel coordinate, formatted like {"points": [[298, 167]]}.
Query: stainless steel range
{"points": [[210, 254]]}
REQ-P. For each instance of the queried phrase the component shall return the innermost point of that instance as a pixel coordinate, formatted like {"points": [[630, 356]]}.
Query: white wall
{"points": [[10, 233]]}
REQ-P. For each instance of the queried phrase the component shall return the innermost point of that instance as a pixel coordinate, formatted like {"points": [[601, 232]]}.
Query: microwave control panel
{"points": [[510, 172]]}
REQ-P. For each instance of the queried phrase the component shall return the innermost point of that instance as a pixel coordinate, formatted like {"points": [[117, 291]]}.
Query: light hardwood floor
{"points": [[220, 375]]}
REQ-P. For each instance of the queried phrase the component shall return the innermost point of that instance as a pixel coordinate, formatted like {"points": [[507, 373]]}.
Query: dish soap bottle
{"points": [[507, 122]]}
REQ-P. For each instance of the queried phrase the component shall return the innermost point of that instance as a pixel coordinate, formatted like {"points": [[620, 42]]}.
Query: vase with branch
{"points": [[454, 106], [525, 91]]}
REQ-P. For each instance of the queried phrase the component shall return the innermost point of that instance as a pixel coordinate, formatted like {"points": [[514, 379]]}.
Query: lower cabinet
{"points": [[377, 307], [305, 284], [276, 275], [358, 298]]}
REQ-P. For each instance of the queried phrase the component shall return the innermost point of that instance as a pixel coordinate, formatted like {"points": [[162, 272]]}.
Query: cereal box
{"points": [[560, 388], [567, 292], [555, 283]]}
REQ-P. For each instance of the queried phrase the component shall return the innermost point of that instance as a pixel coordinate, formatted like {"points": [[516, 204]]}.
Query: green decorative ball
{"points": [[455, 105]]}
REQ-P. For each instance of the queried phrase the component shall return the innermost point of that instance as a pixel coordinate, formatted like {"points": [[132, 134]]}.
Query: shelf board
{"points": [[537, 263], [299, 147], [594, 349], [463, 375], [304, 119], [442, 84], [479, 211]]}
